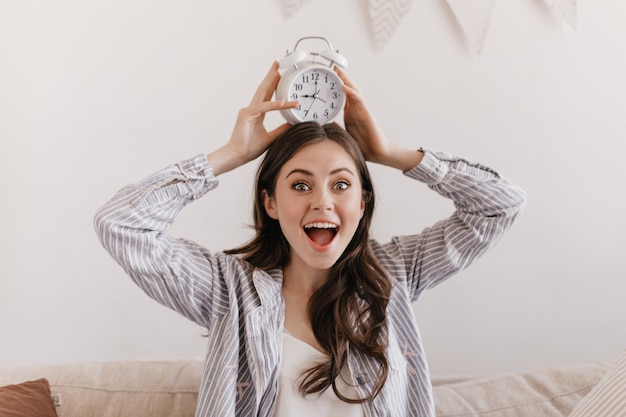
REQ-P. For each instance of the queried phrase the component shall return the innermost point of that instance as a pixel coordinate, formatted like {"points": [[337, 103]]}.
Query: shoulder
{"points": [[247, 283]]}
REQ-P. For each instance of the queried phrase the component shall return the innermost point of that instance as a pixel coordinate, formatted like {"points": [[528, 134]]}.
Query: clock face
{"points": [[320, 95]]}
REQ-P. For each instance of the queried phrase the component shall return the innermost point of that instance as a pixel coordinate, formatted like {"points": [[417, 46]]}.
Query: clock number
{"points": [[298, 87], [305, 78], [315, 76], [294, 96], [332, 86], [315, 116]]}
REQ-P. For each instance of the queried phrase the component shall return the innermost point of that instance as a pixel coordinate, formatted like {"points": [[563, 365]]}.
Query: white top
{"points": [[299, 356]]}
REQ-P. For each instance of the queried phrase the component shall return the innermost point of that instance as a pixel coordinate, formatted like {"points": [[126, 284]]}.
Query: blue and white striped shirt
{"points": [[242, 307]]}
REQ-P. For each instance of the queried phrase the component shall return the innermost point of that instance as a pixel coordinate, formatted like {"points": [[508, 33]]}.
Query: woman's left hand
{"points": [[360, 123]]}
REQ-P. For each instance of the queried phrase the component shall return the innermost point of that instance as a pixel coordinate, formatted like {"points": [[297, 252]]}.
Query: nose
{"points": [[321, 199]]}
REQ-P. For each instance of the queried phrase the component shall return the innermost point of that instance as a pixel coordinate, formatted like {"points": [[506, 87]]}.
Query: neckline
{"points": [[302, 342]]}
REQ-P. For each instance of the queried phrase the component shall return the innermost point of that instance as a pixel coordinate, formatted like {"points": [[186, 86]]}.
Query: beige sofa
{"points": [[169, 388]]}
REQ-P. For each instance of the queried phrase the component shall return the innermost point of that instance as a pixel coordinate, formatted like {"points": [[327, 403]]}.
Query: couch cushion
{"points": [[170, 388], [112, 389], [608, 397], [547, 393], [27, 399]]}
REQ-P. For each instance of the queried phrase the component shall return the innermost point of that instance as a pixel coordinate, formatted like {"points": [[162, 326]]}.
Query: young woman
{"points": [[311, 317]]}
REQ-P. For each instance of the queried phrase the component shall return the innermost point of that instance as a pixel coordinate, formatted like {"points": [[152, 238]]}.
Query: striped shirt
{"points": [[242, 307]]}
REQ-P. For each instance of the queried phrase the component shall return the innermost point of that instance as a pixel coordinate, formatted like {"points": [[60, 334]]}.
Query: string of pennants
{"points": [[472, 16]]}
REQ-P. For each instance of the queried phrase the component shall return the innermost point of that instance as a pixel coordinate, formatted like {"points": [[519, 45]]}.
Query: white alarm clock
{"points": [[309, 77]]}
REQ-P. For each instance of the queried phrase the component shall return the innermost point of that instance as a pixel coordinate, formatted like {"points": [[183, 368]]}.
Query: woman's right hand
{"points": [[250, 138]]}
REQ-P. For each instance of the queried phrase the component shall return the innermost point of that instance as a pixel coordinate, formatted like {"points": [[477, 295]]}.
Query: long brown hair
{"points": [[350, 309]]}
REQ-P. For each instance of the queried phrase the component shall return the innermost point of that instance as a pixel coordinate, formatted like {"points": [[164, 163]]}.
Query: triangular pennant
{"points": [[385, 17], [474, 17], [566, 10], [290, 7]]}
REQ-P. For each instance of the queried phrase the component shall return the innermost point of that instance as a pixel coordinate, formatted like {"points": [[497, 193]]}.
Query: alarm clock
{"points": [[309, 78]]}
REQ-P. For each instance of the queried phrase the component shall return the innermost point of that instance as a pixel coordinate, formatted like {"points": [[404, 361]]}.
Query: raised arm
{"points": [[250, 138], [362, 125], [133, 225], [486, 204]]}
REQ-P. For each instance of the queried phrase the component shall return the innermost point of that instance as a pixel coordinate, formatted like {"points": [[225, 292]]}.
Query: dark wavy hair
{"points": [[350, 309]]}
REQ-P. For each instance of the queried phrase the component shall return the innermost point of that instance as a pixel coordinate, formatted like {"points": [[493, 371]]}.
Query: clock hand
{"points": [[314, 97], [317, 91], [311, 105], [317, 97]]}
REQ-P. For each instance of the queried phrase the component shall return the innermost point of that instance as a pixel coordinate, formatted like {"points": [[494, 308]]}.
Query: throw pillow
{"points": [[608, 398], [27, 399]]}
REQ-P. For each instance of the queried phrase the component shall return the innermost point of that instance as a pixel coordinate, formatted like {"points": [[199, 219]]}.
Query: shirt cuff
{"points": [[197, 174], [431, 170]]}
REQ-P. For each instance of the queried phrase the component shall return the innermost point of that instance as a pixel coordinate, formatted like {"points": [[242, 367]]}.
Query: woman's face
{"points": [[318, 203]]}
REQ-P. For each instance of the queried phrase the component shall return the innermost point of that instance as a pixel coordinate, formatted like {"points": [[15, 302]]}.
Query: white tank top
{"points": [[299, 356]]}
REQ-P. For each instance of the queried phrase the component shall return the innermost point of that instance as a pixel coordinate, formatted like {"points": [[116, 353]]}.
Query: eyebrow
{"points": [[310, 174]]}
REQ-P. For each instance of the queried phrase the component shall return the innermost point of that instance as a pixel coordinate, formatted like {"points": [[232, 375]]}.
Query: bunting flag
{"points": [[290, 7], [385, 17], [474, 18], [566, 10]]}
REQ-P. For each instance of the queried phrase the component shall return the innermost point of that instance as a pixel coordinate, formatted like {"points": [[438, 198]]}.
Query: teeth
{"points": [[320, 225]]}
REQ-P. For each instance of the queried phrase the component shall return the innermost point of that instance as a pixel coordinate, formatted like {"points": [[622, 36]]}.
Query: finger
{"points": [[255, 109], [265, 90], [353, 97], [268, 84], [351, 92], [274, 81], [344, 77]]}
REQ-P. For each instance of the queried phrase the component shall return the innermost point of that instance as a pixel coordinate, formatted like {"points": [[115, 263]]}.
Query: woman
{"points": [[311, 317]]}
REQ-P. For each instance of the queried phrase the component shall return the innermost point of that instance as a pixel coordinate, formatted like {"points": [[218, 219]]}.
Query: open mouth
{"points": [[321, 233]]}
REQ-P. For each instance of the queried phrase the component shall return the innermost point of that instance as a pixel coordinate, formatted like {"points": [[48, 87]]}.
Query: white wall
{"points": [[94, 95]]}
